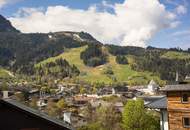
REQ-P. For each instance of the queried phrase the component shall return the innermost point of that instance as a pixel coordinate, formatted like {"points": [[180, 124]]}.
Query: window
{"points": [[186, 122], [185, 98]]}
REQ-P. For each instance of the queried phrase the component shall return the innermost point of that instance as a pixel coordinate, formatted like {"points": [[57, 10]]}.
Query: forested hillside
{"points": [[79, 55]]}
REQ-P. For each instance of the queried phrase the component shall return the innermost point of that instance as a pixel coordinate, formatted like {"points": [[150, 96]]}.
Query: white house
{"points": [[74, 119], [151, 88], [67, 117]]}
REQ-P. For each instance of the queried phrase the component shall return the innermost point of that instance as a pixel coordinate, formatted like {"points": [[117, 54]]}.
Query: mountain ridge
{"points": [[6, 26]]}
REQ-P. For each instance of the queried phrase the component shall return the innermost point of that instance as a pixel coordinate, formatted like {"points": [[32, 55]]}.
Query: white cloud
{"points": [[181, 9], [133, 22], [5, 2]]}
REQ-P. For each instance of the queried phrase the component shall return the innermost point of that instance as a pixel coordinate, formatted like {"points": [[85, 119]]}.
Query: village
{"points": [[71, 103]]}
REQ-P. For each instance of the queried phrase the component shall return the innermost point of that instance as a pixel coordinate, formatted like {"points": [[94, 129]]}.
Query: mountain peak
{"points": [[6, 26], [78, 36]]}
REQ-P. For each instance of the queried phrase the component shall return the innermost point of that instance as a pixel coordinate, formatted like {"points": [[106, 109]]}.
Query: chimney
{"points": [[5, 94]]}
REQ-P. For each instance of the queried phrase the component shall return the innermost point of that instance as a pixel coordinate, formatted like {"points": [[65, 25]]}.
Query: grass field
{"points": [[176, 55], [122, 73]]}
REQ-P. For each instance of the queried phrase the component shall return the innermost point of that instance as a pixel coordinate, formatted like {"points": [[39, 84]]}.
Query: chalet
{"points": [[178, 106], [105, 91], [80, 100], [120, 90], [97, 103], [129, 95], [175, 108], [16, 116], [134, 92]]}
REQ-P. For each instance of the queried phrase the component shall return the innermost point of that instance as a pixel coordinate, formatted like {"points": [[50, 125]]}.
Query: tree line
{"points": [[59, 69], [19, 51], [164, 67], [93, 55]]}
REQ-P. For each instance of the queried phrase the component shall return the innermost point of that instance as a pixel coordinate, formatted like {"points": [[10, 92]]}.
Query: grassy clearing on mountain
{"points": [[121, 73]]}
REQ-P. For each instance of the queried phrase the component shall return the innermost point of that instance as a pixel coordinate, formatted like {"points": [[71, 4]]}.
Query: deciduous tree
{"points": [[135, 117]]}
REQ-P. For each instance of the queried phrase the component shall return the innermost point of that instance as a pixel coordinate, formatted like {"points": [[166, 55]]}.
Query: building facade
{"points": [[174, 108], [178, 106]]}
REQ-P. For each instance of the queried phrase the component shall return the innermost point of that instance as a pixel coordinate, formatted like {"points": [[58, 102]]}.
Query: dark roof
{"points": [[36, 113], [179, 87], [150, 98], [158, 104], [121, 89]]}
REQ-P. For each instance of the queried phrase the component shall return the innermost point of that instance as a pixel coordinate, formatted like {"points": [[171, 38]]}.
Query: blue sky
{"points": [[178, 36], [10, 9]]}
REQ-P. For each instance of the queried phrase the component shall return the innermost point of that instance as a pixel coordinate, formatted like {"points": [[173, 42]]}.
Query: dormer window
{"points": [[185, 97]]}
